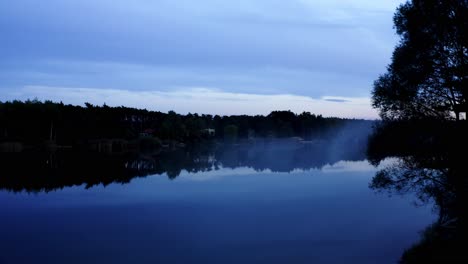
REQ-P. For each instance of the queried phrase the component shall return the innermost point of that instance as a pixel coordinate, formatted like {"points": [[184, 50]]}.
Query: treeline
{"points": [[33, 121]]}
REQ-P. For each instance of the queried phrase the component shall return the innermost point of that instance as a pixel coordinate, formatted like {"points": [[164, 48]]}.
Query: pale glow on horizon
{"points": [[202, 101]]}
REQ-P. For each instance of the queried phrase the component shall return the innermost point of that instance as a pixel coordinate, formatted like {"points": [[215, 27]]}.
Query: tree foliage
{"points": [[428, 73], [33, 122]]}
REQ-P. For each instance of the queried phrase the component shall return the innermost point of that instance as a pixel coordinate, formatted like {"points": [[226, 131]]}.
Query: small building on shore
{"points": [[108, 145], [11, 146], [209, 132]]}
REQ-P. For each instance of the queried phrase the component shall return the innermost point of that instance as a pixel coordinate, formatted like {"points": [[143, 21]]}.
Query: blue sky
{"points": [[206, 56]]}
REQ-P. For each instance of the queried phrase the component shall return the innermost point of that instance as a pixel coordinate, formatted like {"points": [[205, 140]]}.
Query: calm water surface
{"points": [[220, 214]]}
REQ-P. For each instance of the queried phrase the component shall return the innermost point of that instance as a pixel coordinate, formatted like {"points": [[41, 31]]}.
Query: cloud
{"points": [[210, 33], [127, 76], [199, 100], [336, 100], [309, 48]]}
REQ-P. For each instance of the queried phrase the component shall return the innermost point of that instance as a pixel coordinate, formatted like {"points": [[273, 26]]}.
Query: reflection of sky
{"points": [[327, 216], [202, 183], [310, 48], [341, 166]]}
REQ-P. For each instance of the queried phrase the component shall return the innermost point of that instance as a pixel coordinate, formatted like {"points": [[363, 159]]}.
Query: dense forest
{"points": [[34, 123]]}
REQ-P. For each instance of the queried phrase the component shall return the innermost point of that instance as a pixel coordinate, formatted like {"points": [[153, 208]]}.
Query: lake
{"points": [[267, 203]]}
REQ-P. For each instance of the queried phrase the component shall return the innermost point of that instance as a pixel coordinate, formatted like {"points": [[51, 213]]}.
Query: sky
{"points": [[205, 56]]}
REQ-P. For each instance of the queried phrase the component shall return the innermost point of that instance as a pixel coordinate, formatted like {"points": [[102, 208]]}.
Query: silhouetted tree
{"points": [[420, 96], [428, 73]]}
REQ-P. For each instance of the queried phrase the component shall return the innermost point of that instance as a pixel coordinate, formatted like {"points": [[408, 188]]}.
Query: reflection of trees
{"points": [[431, 163], [34, 172], [287, 155]]}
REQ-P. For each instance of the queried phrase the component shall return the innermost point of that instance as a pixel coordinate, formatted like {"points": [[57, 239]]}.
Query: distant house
{"points": [[108, 145], [209, 132], [147, 132], [11, 147]]}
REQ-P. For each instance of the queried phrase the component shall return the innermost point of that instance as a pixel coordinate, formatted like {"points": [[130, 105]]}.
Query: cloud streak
{"points": [[336, 100], [126, 76]]}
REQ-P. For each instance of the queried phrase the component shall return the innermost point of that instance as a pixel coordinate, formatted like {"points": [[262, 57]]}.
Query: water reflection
{"points": [[430, 163], [246, 203], [34, 172]]}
